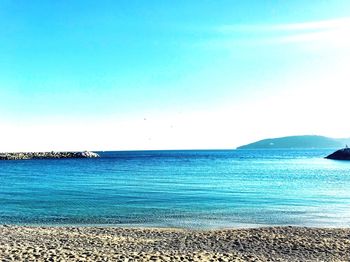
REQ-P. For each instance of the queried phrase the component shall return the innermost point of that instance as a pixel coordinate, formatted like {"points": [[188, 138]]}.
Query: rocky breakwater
{"points": [[341, 154], [47, 155]]}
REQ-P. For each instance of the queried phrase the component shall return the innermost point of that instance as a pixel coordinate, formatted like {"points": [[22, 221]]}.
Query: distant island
{"points": [[47, 155], [298, 142]]}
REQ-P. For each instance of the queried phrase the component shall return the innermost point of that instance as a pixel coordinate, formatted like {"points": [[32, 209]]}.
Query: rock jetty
{"points": [[47, 155], [341, 154]]}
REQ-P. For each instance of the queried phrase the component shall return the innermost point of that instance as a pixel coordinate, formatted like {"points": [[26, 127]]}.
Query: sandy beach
{"points": [[20, 243]]}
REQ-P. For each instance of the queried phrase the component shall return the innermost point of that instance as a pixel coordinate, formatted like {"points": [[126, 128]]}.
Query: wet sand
{"points": [[19, 243]]}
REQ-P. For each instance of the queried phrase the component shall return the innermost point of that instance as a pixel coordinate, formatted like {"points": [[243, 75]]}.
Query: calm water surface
{"points": [[187, 189]]}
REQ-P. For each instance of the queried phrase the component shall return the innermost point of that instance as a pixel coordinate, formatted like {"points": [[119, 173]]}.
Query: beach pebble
{"points": [[19, 243]]}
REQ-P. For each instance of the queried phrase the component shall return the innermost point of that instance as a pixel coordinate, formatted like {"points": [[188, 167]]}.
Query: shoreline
{"points": [[93, 243], [160, 227]]}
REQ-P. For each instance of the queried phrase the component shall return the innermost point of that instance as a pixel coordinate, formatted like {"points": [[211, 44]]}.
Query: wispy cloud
{"points": [[335, 32], [305, 26]]}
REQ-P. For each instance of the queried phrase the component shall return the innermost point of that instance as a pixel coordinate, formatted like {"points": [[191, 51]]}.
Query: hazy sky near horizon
{"points": [[185, 74]]}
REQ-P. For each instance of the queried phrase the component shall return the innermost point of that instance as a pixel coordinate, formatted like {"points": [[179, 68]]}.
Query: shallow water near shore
{"points": [[184, 189]]}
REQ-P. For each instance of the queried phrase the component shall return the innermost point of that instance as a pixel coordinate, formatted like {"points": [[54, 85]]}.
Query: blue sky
{"points": [[170, 74]]}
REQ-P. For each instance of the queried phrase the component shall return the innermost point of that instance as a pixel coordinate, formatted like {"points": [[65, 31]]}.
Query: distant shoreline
{"points": [[298, 142], [23, 243]]}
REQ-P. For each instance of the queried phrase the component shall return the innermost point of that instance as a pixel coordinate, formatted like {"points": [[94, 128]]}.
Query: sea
{"points": [[195, 189]]}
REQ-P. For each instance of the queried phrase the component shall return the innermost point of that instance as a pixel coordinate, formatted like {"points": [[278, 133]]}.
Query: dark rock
{"points": [[342, 154]]}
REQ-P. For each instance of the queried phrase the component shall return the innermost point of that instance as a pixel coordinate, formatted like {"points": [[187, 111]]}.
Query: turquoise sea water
{"points": [[187, 189]]}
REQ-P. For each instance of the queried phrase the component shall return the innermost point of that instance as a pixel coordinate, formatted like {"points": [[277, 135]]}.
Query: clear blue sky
{"points": [[170, 74]]}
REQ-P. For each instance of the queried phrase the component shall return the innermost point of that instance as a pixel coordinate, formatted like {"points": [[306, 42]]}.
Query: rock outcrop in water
{"points": [[342, 154], [47, 155]]}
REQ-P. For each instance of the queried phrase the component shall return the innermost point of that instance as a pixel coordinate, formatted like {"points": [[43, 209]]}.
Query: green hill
{"points": [[308, 141]]}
